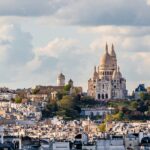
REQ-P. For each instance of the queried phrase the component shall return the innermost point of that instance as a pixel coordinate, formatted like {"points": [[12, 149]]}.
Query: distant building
{"points": [[107, 81], [148, 90], [139, 90], [100, 111], [7, 96], [61, 80], [113, 143], [61, 146], [45, 92]]}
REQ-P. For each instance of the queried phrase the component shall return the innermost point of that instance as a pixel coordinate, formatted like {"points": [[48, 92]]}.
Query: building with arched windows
{"points": [[107, 81]]}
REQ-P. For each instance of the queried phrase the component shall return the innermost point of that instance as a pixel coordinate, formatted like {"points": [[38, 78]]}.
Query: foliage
{"points": [[102, 127], [87, 101], [145, 96], [50, 110], [35, 91], [67, 87], [134, 104], [67, 102], [118, 116], [130, 110], [108, 118], [18, 100], [59, 95]]}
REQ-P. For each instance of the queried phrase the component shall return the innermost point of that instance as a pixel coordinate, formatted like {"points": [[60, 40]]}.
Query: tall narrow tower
{"points": [[61, 80], [114, 59]]}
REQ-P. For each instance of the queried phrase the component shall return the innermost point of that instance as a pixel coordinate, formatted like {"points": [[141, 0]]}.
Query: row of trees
{"points": [[132, 110]]}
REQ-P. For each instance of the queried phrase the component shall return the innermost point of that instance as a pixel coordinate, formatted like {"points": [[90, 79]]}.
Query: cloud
{"points": [[123, 31], [15, 51], [62, 55], [16, 45], [106, 12], [57, 47], [81, 12], [30, 8], [126, 38], [23, 65]]}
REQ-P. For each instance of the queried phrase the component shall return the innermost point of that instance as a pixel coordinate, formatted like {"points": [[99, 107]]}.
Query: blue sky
{"points": [[39, 39]]}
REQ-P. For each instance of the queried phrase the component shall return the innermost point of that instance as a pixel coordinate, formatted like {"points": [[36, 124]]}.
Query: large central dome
{"points": [[106, 60]]}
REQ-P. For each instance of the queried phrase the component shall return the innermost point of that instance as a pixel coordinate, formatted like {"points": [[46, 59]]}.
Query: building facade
{"points": [[107, 81], [140, 90]]}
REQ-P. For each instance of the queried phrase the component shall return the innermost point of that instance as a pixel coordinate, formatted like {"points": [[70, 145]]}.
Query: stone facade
{"points": [[107, 81]]}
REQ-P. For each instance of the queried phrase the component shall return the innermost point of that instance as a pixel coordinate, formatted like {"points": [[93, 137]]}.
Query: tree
{"points": [[134, 104], [59, 95], [68, 108], [67, 87], [18, 100], [144, 96], [102, 127], [67, 102], [35, 91], [108, 118], [118, 116]]}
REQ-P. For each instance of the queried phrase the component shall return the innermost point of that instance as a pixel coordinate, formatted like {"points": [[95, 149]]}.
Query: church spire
{"points": [[118, 69], [106, 48], [94, 68], [112, 53], [112, 47]]}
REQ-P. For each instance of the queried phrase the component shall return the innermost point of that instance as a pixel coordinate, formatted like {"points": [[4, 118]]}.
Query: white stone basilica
{"points": [[107, 81]]}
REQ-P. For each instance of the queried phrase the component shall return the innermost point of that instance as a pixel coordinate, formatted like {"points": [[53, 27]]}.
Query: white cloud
{"points": [[81, 12], [57, 47], [148, 2], [124, 37], [116, 30]]}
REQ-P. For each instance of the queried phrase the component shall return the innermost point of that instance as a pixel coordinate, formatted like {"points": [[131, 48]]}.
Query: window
{"points": [[103, 86], [99, 96], [106, 95], [102, 96]]}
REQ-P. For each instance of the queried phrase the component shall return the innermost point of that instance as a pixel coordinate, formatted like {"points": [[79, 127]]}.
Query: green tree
{"points": [[108, 118], [18, 100], [59, 95], [68, 108], [102, 127], [67, 87], [134, 104], [145, 96], [118, 116], [35, 91], [67, 102]]}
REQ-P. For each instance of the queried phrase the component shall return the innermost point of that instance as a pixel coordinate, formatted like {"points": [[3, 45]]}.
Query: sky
{"points": [[41, 38]]}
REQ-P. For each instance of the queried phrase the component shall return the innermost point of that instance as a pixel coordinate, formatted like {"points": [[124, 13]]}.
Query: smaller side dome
{"points": [[117, 74]]}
